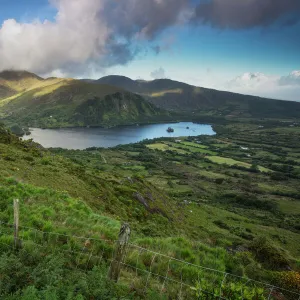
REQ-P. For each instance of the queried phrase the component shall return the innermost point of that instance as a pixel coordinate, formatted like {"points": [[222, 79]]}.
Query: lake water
{"points": [[82, 138]]}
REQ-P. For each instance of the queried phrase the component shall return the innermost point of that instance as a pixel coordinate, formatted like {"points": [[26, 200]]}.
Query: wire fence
{"points": [[144, 269]]}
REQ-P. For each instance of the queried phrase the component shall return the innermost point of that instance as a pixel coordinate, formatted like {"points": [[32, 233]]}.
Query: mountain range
{"points": [[177, 96], [32, 101]]}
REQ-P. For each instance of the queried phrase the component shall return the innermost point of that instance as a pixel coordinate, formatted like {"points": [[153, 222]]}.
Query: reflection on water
{"points": [[81, 138]]}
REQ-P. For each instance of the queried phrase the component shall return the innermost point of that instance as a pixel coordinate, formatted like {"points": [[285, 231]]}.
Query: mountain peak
{"points": [[18, 75], [120, 81], [115, 77]]}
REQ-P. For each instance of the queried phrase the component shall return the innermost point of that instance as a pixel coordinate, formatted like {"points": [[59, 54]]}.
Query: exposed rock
{"points": [[153, 210], [141, 199]]}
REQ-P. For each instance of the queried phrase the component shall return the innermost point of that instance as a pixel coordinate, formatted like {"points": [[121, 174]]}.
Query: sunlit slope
{"points": [[14, 82], [57, 102], [19, 81], [28, 162]]}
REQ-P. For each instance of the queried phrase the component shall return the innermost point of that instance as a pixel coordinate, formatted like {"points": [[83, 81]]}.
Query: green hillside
{"points": [[31, 101], [240, 218], [211, 216], [19, 81], [27, 100], [178, 96]]}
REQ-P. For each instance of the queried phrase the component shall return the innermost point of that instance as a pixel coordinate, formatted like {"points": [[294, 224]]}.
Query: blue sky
{"points": [[229, 54], [26, 10]]}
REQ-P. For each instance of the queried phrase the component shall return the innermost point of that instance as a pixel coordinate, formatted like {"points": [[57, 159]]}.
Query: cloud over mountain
{"points": [[91, 34], [252, 80], [158, 74], [292, 79], [273, 86], [239, 14]]}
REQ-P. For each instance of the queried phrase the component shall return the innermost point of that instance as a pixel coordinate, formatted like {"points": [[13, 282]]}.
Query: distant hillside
{"points": [[178, 96], [5, 91], [19, 81], [32, 101], [27, 100]]}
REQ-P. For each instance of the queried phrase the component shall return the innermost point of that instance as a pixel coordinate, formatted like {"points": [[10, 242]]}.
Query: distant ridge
{"points": [[18, 75], [178, 96], [121, 81], [30, 100]]}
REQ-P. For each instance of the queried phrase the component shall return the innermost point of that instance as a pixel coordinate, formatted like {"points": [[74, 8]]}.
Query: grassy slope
{"points": [[58, 102], [89, 192], [28, 163], [222, 204], [260, 206]]}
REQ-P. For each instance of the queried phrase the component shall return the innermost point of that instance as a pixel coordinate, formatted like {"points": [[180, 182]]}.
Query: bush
{"points": [[268, 254], [248, 200], [17, 130], [278, 176], [289, 280], [219, 180], [221, 224]]}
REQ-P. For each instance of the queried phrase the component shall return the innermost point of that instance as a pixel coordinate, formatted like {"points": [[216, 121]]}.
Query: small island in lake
{"points": [[170, 129]]}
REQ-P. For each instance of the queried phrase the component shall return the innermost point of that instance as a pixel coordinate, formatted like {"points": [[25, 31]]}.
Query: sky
{"points": [[244, 46]]}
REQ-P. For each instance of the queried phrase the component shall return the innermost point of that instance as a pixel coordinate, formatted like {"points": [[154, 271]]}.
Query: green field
{"points": [[232, 162], [165, 147], [196, 202]]}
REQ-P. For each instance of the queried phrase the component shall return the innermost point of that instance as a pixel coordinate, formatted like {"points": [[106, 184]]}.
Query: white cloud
{"points": [[85, 35], [272, 86], [292, 79], [76, 37], [158, 74], [252, 80]]}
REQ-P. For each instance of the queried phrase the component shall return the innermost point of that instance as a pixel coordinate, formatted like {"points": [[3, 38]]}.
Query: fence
{"points": [[141, 268]]}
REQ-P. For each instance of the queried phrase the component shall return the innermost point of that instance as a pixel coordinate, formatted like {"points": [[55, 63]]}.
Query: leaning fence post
{"points": [[119, 252], [16, 223]]}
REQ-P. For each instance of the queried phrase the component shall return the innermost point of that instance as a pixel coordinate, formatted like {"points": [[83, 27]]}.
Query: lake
{"points": [[82, 138]]}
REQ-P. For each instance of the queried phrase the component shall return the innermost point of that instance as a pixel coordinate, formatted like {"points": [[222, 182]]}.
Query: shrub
{"points": [[219, 180], [221, 224], [249, 200], [289, 280], [278, 176], [268, 254]]}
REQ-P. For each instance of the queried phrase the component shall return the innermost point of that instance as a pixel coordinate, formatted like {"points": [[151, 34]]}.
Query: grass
{"points": [[189, 207], [194, 145], [233, 162], [193, 179], [181, 148], [228, 161], [289, 206], [165, 147]]}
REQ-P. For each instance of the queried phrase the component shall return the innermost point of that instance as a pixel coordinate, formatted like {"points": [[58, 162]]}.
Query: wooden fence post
{"points": [[16, 224], [119, 253]]}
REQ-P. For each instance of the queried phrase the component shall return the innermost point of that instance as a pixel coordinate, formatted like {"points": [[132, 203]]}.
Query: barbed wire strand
{"points": [[222, 284], [149, 275], [46, 236]]}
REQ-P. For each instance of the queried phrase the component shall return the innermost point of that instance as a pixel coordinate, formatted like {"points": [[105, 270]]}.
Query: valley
{"points": [[227, 202], [236, 190], [149, 150]]}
